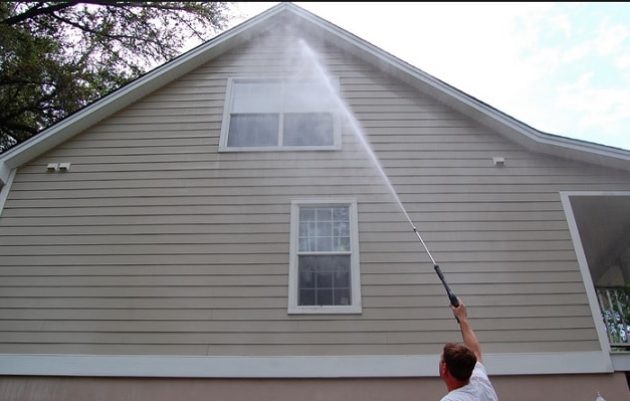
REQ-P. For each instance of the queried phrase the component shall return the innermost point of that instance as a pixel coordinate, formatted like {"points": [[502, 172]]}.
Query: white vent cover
{"points": [[498, 161]]}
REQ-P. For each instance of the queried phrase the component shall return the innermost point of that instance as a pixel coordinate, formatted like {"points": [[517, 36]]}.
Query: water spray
{"points": [[323, 75]]}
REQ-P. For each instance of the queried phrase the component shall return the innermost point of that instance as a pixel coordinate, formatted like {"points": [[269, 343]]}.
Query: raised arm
{"points": [[468, 335]]}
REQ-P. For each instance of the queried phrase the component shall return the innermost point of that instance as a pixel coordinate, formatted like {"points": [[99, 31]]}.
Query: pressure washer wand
{"points": [[451, 296]]}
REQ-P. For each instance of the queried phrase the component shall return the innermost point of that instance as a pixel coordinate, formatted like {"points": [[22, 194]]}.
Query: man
{"points": [[460, 365]]}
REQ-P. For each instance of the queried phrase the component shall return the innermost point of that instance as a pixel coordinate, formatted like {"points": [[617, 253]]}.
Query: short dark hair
{"points": [[460, 360]]}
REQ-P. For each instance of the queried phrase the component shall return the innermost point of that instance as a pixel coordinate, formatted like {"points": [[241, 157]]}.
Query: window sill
{"points": [[330, 310], [278, 149]]}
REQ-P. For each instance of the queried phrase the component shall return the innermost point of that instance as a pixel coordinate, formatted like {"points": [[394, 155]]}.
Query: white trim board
{"points": [[4, 190], [292, 367]]}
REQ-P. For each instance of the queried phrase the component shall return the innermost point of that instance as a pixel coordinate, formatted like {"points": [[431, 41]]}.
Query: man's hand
{"points": [[460, 311], [468, 335]]}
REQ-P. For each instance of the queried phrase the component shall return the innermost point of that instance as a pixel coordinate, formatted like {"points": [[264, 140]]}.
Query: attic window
{"points": [[278, 115]]}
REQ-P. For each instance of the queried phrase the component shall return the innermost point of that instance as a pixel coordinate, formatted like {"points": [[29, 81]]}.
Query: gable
{"points": [[488, 116]]}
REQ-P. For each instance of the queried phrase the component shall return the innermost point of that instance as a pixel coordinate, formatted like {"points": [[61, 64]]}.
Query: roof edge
{"points": [[510, 127]]}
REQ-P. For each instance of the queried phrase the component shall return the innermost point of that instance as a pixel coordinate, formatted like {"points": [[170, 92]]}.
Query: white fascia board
{"points": [[5, 172], [468, 105], [292, 367], [135, 90], [5, 188]]}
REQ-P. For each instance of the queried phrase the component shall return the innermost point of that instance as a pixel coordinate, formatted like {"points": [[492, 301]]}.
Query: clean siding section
{"points": [[155, 243]]}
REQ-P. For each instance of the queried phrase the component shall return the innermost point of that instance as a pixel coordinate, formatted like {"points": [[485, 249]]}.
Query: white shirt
{"points": [[479, 388]]}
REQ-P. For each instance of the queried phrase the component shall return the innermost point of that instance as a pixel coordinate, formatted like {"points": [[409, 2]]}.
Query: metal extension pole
{"points": [[451, 296]]}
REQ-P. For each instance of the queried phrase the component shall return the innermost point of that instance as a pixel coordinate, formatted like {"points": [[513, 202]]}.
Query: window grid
{"points": [[328, 285], [324, 230], [324, 255], [330, 268]]}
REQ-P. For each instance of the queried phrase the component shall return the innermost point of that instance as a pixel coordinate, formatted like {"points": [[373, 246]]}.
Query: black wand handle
{"points": [[451, 296]]}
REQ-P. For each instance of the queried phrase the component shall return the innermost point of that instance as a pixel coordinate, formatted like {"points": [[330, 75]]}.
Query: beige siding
{"points": [[155, 243]]}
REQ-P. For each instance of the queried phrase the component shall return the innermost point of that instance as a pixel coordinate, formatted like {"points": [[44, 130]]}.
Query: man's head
{"points": [[457, 362]]}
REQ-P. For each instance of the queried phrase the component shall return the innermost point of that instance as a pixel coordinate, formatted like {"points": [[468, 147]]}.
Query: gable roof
{"points": [[500, 122]]}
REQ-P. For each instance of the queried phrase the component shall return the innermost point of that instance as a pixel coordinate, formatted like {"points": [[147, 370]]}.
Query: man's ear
{"points": [[443, 369]]}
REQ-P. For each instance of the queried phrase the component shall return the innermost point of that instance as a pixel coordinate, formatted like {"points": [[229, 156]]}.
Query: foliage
{"points": [[615, 306], [56, 57]]}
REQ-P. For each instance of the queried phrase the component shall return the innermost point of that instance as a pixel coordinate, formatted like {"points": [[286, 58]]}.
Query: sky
{"points": [[562, 68]]}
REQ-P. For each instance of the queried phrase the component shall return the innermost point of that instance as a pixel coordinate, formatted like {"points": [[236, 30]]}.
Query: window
{"points": [[279, 115], [324, 260]]}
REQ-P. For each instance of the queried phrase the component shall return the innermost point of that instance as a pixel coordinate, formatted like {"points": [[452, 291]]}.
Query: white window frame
{"points": [[227, 111], [355, 278]]}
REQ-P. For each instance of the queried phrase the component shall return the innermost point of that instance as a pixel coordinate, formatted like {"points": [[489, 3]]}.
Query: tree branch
{"points": [[114, 36], [19, 126], [37, 10]]}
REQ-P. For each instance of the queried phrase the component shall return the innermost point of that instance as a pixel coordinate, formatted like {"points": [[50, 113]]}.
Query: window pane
{"points": [[341, 229], [342, 244], [324, 244], [307, 229], [307, 297], [308, 129], [307, 278], [324, 229], [307, 237], [248, 130], [256, 97], [307, 214], [324, 297], [311, 96], [342, 296], [325, 274], [324, 213], [304, 232], [342, 279], [324, 279], [341, 214]]}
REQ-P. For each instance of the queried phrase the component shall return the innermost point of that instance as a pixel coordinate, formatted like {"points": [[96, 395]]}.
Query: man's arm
{"points": [[470, 339]]}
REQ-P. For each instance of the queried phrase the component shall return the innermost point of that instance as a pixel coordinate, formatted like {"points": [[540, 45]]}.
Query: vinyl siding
{"points": [[155, 243]]}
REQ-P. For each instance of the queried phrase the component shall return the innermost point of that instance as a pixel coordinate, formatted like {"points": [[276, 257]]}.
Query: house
{"points": [[218, 228]]}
